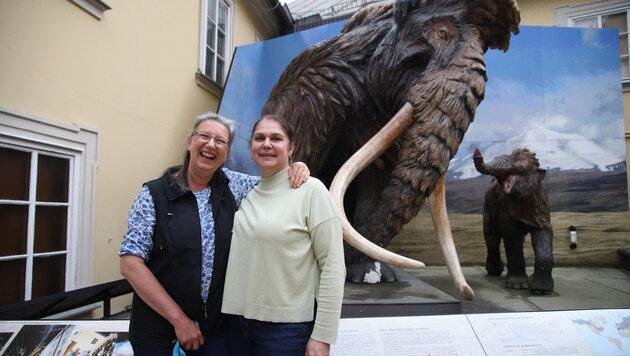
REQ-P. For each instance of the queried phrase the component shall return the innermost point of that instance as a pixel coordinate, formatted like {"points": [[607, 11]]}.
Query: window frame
{"points": [[27, 132], [204, 80], [566, 16], [32, 204], [95, 8]]}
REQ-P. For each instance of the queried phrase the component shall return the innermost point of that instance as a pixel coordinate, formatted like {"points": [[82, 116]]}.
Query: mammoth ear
{"points": [[541, 174]]}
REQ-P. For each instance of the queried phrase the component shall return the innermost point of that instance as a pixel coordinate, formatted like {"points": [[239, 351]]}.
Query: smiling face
{"points": [[271, 147], [206, 156]]}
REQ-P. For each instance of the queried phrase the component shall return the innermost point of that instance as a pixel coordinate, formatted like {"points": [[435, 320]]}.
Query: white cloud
{"points": [[590, 37], [585, 104]]}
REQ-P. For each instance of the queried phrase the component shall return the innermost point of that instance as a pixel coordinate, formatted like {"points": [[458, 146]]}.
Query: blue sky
{"points": [[565, 79], [556, 91]]}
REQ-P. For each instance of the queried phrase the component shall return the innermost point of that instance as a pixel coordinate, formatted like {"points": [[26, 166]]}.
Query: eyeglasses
{"points": [[218, 141]]}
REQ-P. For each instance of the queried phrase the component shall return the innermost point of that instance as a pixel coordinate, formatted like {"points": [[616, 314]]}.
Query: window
{"points": [[45, 206], [602, 14], [215, 42], [34, 211]]}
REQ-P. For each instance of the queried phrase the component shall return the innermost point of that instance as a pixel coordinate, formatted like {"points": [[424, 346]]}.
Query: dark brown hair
{"points": [[284, 124]]}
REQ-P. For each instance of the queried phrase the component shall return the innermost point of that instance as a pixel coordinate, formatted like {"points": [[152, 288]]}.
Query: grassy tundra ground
{"points": [[599, 236]]}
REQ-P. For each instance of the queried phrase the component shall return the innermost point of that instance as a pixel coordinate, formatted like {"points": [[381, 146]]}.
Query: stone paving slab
{"points": [[575, 288]]}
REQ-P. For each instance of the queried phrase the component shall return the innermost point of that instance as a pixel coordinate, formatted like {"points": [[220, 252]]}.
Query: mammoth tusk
{"points": [[442, 226], [375, 147]]}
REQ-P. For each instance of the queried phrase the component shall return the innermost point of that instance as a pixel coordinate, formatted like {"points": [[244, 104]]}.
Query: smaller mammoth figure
{"points": [[516, 203]]}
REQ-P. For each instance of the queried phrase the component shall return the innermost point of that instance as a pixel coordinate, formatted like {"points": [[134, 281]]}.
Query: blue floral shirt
{"points": [[138, 239]]}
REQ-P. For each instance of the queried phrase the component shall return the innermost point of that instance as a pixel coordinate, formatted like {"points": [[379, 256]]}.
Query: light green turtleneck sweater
{"points": [[287, 252]]}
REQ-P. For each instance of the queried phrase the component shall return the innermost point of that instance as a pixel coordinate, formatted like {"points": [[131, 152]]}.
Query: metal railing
{"points": [[50, 305]]}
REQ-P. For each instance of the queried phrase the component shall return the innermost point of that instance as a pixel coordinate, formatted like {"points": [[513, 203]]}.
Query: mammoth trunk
{"points": [[444, 105], [497, 167]]}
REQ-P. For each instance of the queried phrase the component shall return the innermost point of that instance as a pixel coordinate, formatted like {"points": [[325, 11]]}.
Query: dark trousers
{"points": [[215, 345], [276, 339]]}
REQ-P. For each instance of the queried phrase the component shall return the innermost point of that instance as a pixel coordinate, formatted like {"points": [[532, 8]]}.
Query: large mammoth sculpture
{"points": [[517, 204], [425, 57]]}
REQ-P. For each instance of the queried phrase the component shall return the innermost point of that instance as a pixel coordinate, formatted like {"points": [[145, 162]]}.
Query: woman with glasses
{"points": [[175, 250], [286, 271]]}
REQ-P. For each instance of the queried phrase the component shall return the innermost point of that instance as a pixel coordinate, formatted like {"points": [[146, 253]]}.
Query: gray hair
{"points": [[181, 176], [228, 123]]}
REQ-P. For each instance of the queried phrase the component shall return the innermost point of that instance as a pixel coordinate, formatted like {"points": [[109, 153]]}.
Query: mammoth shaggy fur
{"points": [[340, 92]]}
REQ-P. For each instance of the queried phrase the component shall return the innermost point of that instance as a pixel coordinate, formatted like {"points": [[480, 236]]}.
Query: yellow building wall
{"points": [[540, 12], [245, 29], [130, 76]]}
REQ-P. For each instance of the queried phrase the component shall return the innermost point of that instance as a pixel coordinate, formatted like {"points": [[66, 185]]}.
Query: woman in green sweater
{"points": [[286, 271]]}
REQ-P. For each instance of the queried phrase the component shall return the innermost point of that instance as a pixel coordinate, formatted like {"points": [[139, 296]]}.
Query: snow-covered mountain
{"points": [[554, 150]]}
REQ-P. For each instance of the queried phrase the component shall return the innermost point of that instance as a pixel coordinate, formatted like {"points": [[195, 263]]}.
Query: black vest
{"points": [[176, 260]]}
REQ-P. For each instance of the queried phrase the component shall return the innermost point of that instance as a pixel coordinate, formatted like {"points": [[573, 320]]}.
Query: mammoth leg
{"points": [[541, 282], [361, 159], [492, 237], [516, 274], [361, 268], [442, 225]]}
